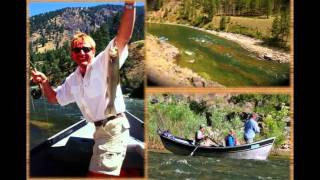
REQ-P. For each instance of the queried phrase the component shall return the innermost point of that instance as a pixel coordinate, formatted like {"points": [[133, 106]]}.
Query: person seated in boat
{"points": [[200, 134], [231, 139], [94, 86], [251, 128], [202, 138]]}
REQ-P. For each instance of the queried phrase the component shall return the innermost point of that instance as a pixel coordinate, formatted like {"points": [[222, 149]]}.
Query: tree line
{"points": [[226, 7]]}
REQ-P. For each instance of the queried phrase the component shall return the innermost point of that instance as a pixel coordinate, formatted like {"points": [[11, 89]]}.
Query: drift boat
{"points": [[257, 150]]}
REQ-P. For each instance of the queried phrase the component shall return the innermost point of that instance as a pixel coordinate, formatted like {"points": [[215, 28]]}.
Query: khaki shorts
{"points": [[110, 146]]}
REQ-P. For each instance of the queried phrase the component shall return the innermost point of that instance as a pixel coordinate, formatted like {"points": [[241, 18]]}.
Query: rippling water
{"points": [[220, 60], [170, 166]]}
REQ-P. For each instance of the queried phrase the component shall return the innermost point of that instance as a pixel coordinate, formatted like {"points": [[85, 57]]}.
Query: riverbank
{"points": [[251, 44], [162, 70]]}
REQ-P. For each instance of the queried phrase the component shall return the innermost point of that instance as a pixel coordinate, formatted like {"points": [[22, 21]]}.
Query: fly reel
{"points": [[36, 93]]}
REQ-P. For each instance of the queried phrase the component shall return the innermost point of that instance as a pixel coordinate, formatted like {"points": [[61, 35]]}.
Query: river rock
{"points": [[268, 57], [197, 82]]}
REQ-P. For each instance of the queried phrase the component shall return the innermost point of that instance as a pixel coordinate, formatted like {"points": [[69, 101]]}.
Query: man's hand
{"points": [[38, 77]]}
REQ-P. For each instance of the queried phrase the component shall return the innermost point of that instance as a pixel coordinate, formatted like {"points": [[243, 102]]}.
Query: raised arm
{"points": [[126, 25]]}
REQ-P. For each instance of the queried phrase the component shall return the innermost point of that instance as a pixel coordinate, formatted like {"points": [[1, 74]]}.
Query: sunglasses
{"points": [[85, 49]]}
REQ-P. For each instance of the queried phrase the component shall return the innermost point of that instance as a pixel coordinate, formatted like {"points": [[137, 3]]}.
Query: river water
{"points": [[47, 119], [220, 60], [171, 166]]}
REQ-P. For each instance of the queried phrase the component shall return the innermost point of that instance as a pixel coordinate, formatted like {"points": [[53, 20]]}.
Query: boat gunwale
{"points": [[69, 130]]}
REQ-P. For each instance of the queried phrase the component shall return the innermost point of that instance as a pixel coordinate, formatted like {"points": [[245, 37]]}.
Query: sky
{"points": [[42, 7]]}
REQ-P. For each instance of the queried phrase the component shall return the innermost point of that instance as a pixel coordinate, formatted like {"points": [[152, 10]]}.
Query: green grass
{"points": [[246, 25]]}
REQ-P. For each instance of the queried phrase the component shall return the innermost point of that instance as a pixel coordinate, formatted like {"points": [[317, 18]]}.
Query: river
{"points": [[47, 119], [220, 60], [171, 166]]}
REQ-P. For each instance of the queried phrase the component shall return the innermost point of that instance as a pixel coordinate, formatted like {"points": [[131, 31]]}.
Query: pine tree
{"points": [[275, 31], [284, 27], [223, 22]]}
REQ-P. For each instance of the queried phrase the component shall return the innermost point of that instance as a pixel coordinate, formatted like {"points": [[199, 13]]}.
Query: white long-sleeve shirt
{"points": [[89, 92]]}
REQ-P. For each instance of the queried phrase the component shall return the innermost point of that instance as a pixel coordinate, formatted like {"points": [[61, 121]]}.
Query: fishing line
{"points": [[46, 114], [36, 94], [33, 108]]}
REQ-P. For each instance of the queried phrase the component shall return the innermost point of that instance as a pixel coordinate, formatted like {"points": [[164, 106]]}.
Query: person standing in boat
{"points": [[251, 128], [88, 87]]}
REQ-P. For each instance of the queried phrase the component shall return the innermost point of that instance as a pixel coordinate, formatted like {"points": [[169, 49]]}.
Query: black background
{"points": [[306, 93], [13, 91]]}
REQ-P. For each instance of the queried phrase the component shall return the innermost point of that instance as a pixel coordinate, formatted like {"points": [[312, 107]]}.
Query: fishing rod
{"points": [[35, 93]]}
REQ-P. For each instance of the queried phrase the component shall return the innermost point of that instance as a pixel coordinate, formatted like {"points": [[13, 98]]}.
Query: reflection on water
{"points": [[170, 166], [220, 60], [48, 119]]}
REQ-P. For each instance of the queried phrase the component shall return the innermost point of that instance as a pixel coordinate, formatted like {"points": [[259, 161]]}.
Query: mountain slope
{"points": [[51, 30]]}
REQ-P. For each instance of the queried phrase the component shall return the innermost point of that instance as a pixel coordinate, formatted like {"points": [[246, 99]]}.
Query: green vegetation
{"points": [[253, 27], [280, 30], [182, 115], [56, 64], [174, 115], [204, 13]]}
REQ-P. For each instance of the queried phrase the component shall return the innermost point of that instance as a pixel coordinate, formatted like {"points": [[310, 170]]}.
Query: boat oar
{"points": [[215, 141], [194, 149]]}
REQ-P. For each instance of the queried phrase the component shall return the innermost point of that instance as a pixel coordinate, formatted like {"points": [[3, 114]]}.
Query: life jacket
{"points": [[230, 141]]}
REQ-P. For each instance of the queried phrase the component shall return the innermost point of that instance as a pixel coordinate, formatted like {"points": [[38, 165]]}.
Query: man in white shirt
{"points": [[87, 87], [200, 134]]}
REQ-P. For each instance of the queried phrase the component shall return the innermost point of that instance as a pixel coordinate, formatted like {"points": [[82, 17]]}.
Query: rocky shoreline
{"points": [[162, 71], [254, 45], [248, 43]]}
